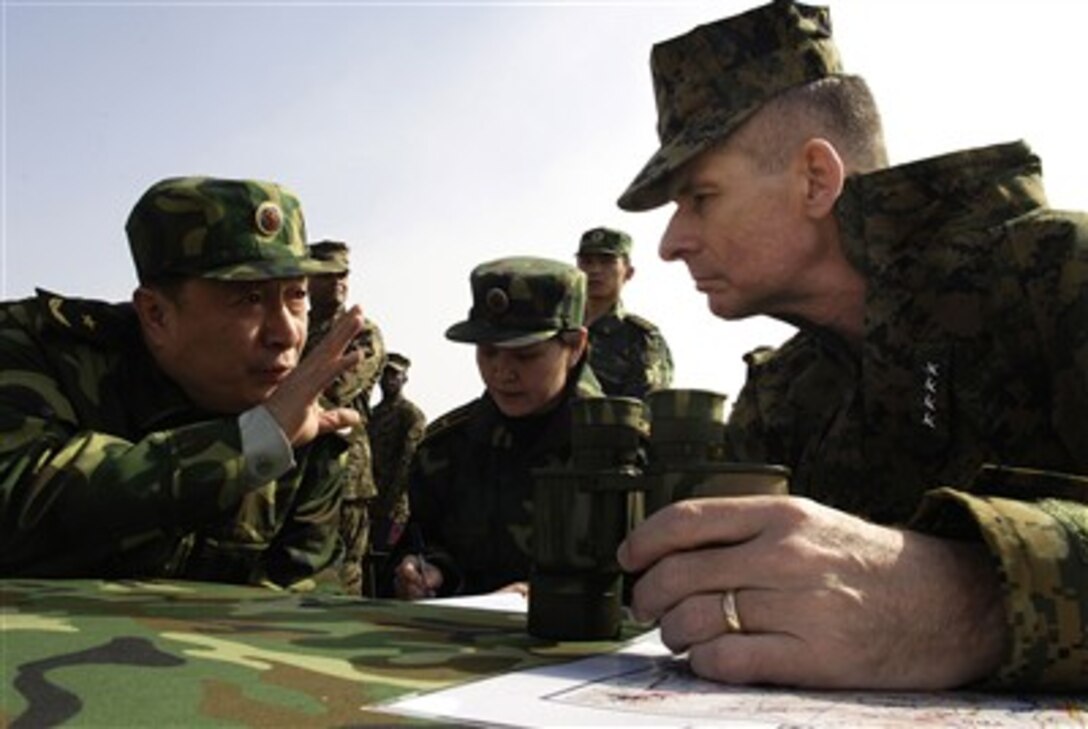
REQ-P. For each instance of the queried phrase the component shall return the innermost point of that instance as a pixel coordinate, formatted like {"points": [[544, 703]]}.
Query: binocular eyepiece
{"points": [[629, 459]]}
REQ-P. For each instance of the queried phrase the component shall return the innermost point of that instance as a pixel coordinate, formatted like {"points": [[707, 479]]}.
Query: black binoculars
{"points": [[629, 459]]}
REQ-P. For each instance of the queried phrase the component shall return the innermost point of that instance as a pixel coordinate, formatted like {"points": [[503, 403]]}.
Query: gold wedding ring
{"points": [[729, 612]]}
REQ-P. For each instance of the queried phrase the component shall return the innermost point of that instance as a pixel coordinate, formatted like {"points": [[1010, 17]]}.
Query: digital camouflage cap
{"points": [[710, 80], [232, 230], [333, 252], [397, 361], [521, 300], [606, 241]]}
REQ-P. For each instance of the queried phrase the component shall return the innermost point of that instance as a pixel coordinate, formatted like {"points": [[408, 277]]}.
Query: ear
{"points": [[629, 270], [578, 341], [824, 175], [153, 310]]}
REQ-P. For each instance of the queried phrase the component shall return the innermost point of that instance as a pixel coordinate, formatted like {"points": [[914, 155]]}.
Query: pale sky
{"points": [[435, 136]]}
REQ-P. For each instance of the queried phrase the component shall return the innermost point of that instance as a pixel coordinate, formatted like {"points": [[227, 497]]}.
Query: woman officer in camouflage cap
{"points": [[470, 486]]}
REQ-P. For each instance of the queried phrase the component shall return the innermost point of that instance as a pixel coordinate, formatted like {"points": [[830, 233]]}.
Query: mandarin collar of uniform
{"points": [[892, 212], [157, 402]]}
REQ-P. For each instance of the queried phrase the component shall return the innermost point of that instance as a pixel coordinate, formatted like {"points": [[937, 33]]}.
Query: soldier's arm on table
{"points": [[308, 539], [59, 476]]}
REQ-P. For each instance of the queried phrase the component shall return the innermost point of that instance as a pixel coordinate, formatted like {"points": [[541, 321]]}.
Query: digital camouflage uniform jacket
{"points": [[107, 469], [628, 354], [395, 429], [352, 390], [975, 355], [470, 489]]}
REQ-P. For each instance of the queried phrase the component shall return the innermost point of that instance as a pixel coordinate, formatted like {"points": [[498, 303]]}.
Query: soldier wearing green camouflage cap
{"points": [[352, 389], [177, 435], [931, 406], [628, 353], [470, 487]]}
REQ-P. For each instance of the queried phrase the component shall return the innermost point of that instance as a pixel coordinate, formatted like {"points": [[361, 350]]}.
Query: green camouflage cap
{"points": [[397, 361], [605, 240], [333, 252], [232, 230], [710, 80], [521, 300]]}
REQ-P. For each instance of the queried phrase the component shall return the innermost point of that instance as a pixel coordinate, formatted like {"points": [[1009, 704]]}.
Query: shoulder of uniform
{"points": [[445, 423], [760, 356], [641, 323], [85, 319], [795, 351]]}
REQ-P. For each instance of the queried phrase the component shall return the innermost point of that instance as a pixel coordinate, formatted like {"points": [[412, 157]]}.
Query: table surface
{"points": [[117, 653]]}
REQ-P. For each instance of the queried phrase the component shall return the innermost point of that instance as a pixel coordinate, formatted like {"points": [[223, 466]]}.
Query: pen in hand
{"points": [[422, 562]]}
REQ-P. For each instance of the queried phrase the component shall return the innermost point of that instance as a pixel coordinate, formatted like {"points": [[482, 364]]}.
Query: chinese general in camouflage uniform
{"points": [[328, 295], [470, 485], [966, 404], [628, 353], [107, 465], [396, 428]]}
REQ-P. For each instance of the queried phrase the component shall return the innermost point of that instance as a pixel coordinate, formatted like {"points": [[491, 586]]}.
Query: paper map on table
{"points": [[643, 685]]}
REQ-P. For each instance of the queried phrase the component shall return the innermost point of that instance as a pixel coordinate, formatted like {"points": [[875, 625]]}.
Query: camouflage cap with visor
{"points": [[397, 361], [522, 300], [334, 252], [231, 230], [606, 241], [710, 80]]}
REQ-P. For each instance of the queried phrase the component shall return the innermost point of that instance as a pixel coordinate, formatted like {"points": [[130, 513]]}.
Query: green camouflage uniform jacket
{"points": [[470, 488], [628, 354], [395, 428], [352, 389], [975, 355], [107, 469]]}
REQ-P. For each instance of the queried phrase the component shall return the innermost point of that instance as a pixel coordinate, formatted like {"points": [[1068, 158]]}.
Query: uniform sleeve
{"points": [[659, 366], [309, 539], [72, 498], [1040, 550], [426, 508], [399, 510], [355, 385]]}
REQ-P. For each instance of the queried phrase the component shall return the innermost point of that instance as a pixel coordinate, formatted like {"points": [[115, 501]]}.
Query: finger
{"points": [[338, 419], [772, 658], [682, 575], [696, 522], [431, 578], [701, 618], [346, 327], [697, 619]]}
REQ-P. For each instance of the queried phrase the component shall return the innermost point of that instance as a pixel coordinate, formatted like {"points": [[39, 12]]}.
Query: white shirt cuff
{"points": [[266, 450]]}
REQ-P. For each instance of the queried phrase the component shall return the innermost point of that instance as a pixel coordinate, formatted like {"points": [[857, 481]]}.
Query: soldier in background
{"points": [[932, 405], [177, 435], [396, 427], [628, 354], [470, 485], [328, 299]]}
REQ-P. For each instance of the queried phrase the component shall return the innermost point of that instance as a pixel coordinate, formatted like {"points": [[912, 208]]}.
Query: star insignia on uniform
{"points": [[89, 323]]}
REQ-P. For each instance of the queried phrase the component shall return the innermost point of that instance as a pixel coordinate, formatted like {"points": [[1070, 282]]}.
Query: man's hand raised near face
{"points": [[295, 404]]}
